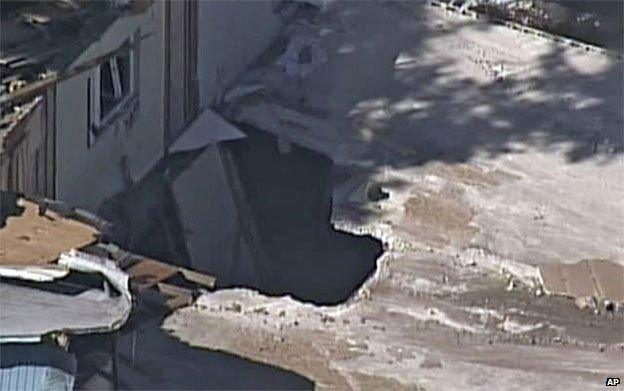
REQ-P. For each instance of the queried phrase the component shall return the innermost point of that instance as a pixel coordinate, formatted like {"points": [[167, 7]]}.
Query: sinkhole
{"points": [[288, 190]]}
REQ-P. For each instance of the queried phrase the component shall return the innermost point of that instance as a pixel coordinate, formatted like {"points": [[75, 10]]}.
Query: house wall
{"points": [[214, 236], [181, 107], [125, 151], [231, 34], [27, 165]]}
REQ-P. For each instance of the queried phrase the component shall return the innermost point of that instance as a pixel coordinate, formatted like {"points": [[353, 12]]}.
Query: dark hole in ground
{"points": [[375, 193], [146, 222], [290, 197], [288, 192]]}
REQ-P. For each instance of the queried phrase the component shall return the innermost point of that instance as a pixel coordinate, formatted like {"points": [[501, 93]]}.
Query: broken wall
{"points": [[27, 161], [214, 237]]}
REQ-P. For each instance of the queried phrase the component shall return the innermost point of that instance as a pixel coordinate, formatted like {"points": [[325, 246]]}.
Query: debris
{"points": [[242, 91], [431, 362], [35, 19], [87, 263], [514, 327], [179, 297], [208, 128], [32, 240], [510, 285], [29, 313], [34, 273], [405, 60], [302, 56], [147, 273], [199, 278], [583, 302]]}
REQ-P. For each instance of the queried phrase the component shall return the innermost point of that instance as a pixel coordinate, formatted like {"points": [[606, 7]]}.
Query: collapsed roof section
{"points": [[40, 40], [34, 235], [79, 291], [91, 310]]}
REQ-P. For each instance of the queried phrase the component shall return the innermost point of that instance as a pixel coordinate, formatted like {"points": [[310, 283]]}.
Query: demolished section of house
{"points": [[41, 41], [60, 277]]}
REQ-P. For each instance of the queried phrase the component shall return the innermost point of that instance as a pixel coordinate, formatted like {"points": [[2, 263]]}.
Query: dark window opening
{"points": [[115, 82]]}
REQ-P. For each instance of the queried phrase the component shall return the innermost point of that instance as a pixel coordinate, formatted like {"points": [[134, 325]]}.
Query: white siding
{"points": [[86, 176], [231, 35]]}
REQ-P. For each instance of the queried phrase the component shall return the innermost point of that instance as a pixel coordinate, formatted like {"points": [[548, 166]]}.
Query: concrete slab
{"points": [[417, 323], [588, 278]]}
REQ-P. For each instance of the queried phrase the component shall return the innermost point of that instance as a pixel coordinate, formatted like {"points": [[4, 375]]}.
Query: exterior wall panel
{"points": [[24, 167], [231, 34], [129, 147]]}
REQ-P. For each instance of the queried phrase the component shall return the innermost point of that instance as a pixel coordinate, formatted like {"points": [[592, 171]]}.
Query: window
{"points": [[115, 83], [111, 87]]}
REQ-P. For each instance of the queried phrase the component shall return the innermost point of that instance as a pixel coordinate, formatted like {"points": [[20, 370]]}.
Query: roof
{"points": [[39, 236], [53, 261], [40, 366], [34, 235], [40, 39], [93, 310]]}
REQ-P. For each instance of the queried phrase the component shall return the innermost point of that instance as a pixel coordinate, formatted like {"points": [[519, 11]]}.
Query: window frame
{"points": [[96, 121]]}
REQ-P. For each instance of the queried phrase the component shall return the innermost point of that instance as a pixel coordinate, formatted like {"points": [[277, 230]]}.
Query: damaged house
{"points": [[99, 101], [42, 305], [78, 311], [117, 90], [108, 86], [61, 279], [345, 195]]}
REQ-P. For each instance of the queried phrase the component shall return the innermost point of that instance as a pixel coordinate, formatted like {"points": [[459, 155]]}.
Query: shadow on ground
{"points": [[147, 358]]}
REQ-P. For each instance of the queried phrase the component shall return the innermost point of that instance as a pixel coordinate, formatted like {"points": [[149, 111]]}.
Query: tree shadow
{"points": [[405, 86], [401, 89]]}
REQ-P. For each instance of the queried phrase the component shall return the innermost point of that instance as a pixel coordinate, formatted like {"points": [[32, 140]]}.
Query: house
{"points": [[103, 89]]}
